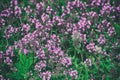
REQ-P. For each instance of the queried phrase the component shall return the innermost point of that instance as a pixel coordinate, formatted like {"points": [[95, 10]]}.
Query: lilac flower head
{"points": [[2, 22], [40, 6], [28, 10], [73, 73], [84, 24], [96, 2], [58, 52], [91, 47], [8, 32], [26, 39], [46, 75], [88, 62], [40, 54], [25, 51], [10, 51], [49, 10], [118, 8], [111, 31], [33, 20], [107, 9], [6, 13], [101, 39], [8, 61], [14, 2], [76, 3], [1, 77], [106, 23], [18, 11], [66, 61], [44, 17], [25, 27], [38, 25], [16, 30], [40, 65]]}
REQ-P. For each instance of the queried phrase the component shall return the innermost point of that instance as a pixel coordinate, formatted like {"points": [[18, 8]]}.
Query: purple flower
{"points": [[73, 73], [10, 51], [2, 22], [96, 2], [40, 6], [46, 75], [66, 61], [1, 77], [58, 52], [101, 39], [6, 13], [17, 11], [88, 62], [118, 8], [91, 47], [106, 23], [38, 25], [84, 24], [107, 9], [44, 17], [76, 3], [16, 30], [93, 14], [25, 27], [40, 54], [49, 10], [8, 32], [14, 2], [8, 60], [25, 51], [33, 20], [40, 65], [111, 31], [26, 39], [28, 10]]}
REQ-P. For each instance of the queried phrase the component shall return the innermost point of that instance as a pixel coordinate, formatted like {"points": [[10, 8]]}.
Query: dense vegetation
{"points": [[60, 40]]}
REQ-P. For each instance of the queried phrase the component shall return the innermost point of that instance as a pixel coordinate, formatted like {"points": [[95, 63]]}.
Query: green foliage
{"points": [[117, 28], [23, 66]]}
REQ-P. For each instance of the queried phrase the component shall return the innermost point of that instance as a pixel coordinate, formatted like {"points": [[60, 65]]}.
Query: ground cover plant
{"points": [[59, 40]]}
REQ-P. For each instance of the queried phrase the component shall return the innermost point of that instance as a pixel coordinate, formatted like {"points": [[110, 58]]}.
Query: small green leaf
{"points": [[117, 28]]}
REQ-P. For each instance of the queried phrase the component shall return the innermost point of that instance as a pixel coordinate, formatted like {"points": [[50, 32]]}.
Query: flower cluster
{"points": [[88, 62]]}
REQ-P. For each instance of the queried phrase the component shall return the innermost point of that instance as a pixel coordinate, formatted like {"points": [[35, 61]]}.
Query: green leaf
{"points": [[15, 76], [22, 58], [117, 29], [23, 65]]}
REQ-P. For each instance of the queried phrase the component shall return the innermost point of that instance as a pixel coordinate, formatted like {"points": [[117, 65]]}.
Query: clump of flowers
{"points": [[44, 39]]}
